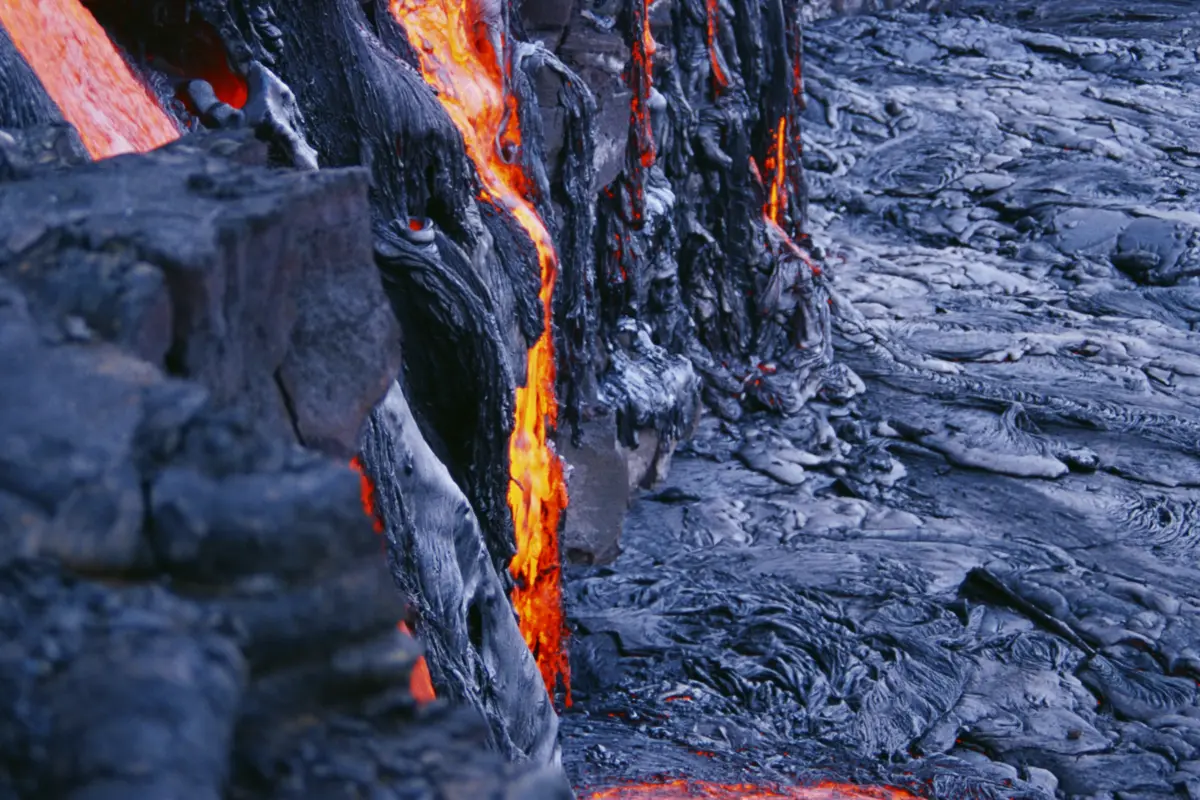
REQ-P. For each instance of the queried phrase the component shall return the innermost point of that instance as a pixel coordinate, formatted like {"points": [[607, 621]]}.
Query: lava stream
{"points": [[457, 47], [720, 80], [703, 790], [86, 76], [776, 164]]}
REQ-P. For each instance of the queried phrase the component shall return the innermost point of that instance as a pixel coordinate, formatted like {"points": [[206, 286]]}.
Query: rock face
{"points": [[258, 285], [195, 605], [440, 557]]}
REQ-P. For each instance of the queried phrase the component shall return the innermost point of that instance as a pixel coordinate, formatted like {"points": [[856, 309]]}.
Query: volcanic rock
{"points": [[195, 606], [190, 286]]}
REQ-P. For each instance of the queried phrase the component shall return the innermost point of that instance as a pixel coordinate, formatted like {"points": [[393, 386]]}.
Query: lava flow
{"points": [[86, 77], [458, 51], [420, 683], [776, 165], [640, 79], [720, 79], [703, 790]]}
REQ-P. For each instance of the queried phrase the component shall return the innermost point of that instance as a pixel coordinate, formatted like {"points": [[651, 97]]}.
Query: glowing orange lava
{"points": [[720, 80], [458, 57], [420, 683], [702, 790], [776, 164], [86, 77], [641, 80]]}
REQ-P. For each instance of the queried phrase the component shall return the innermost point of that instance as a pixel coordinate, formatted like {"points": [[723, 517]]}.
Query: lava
{"points": [[641, 79], [367, 492], [703, 790], [720, 79], [776, 165], [86, 77], [459, 56], [420, 683]]}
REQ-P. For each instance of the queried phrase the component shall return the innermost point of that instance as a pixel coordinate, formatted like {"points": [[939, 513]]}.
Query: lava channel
{"points": [[461, 55], [86, 77]]}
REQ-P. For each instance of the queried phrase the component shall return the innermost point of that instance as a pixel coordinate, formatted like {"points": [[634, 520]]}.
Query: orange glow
{"points": [[420, 683], [720, 80], [702, 790], [86, 77], [459, 59], [641, 79], [367, 492], [776, 164]]}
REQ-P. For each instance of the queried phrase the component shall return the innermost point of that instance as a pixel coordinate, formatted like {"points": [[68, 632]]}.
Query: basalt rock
{"points": [[262, 289], [195, 605]]}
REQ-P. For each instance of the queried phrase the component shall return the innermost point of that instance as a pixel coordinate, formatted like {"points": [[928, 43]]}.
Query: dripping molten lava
{"points": [[703, 790], [776, 164], [461, 55], [720, 79], [86, 76]]}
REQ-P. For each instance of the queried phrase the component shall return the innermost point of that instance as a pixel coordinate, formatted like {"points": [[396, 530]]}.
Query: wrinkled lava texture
{"points": [[976, 579]]}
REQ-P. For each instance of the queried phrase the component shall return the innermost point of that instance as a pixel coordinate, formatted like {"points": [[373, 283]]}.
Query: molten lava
{"points": [[703, 790], [420, 683], [640, 79], [776, 164], [86, 77], [458, 51], [720, 79]]}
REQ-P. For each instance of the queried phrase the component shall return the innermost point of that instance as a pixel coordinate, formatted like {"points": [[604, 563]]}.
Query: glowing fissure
{"points": [[86, 77], [457, 55], [420, 683], [776, 165], [703, 790], [720, 79], [641, 81]]}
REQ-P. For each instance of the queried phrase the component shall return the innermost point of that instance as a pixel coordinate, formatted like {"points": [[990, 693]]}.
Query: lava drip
{"points": [[720, 79], [776, 167], [704, 790], [420, 683], [781, 172], [461, 54], [640, 78], [86, 77]]}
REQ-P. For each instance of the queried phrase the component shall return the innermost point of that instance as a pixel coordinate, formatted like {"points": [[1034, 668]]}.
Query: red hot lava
{"points": [[720, 79], [86, 77], [457, 47], [703, 790], [776, 164], [641, 80]]}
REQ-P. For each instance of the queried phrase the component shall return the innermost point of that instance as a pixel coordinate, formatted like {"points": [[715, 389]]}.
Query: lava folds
{"points": [[461, 52]]}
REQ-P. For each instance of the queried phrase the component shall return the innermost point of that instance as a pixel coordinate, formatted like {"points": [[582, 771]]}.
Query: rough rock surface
{"points": [[977, 577], [441, 560], [258, 285], [191, 604]]}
